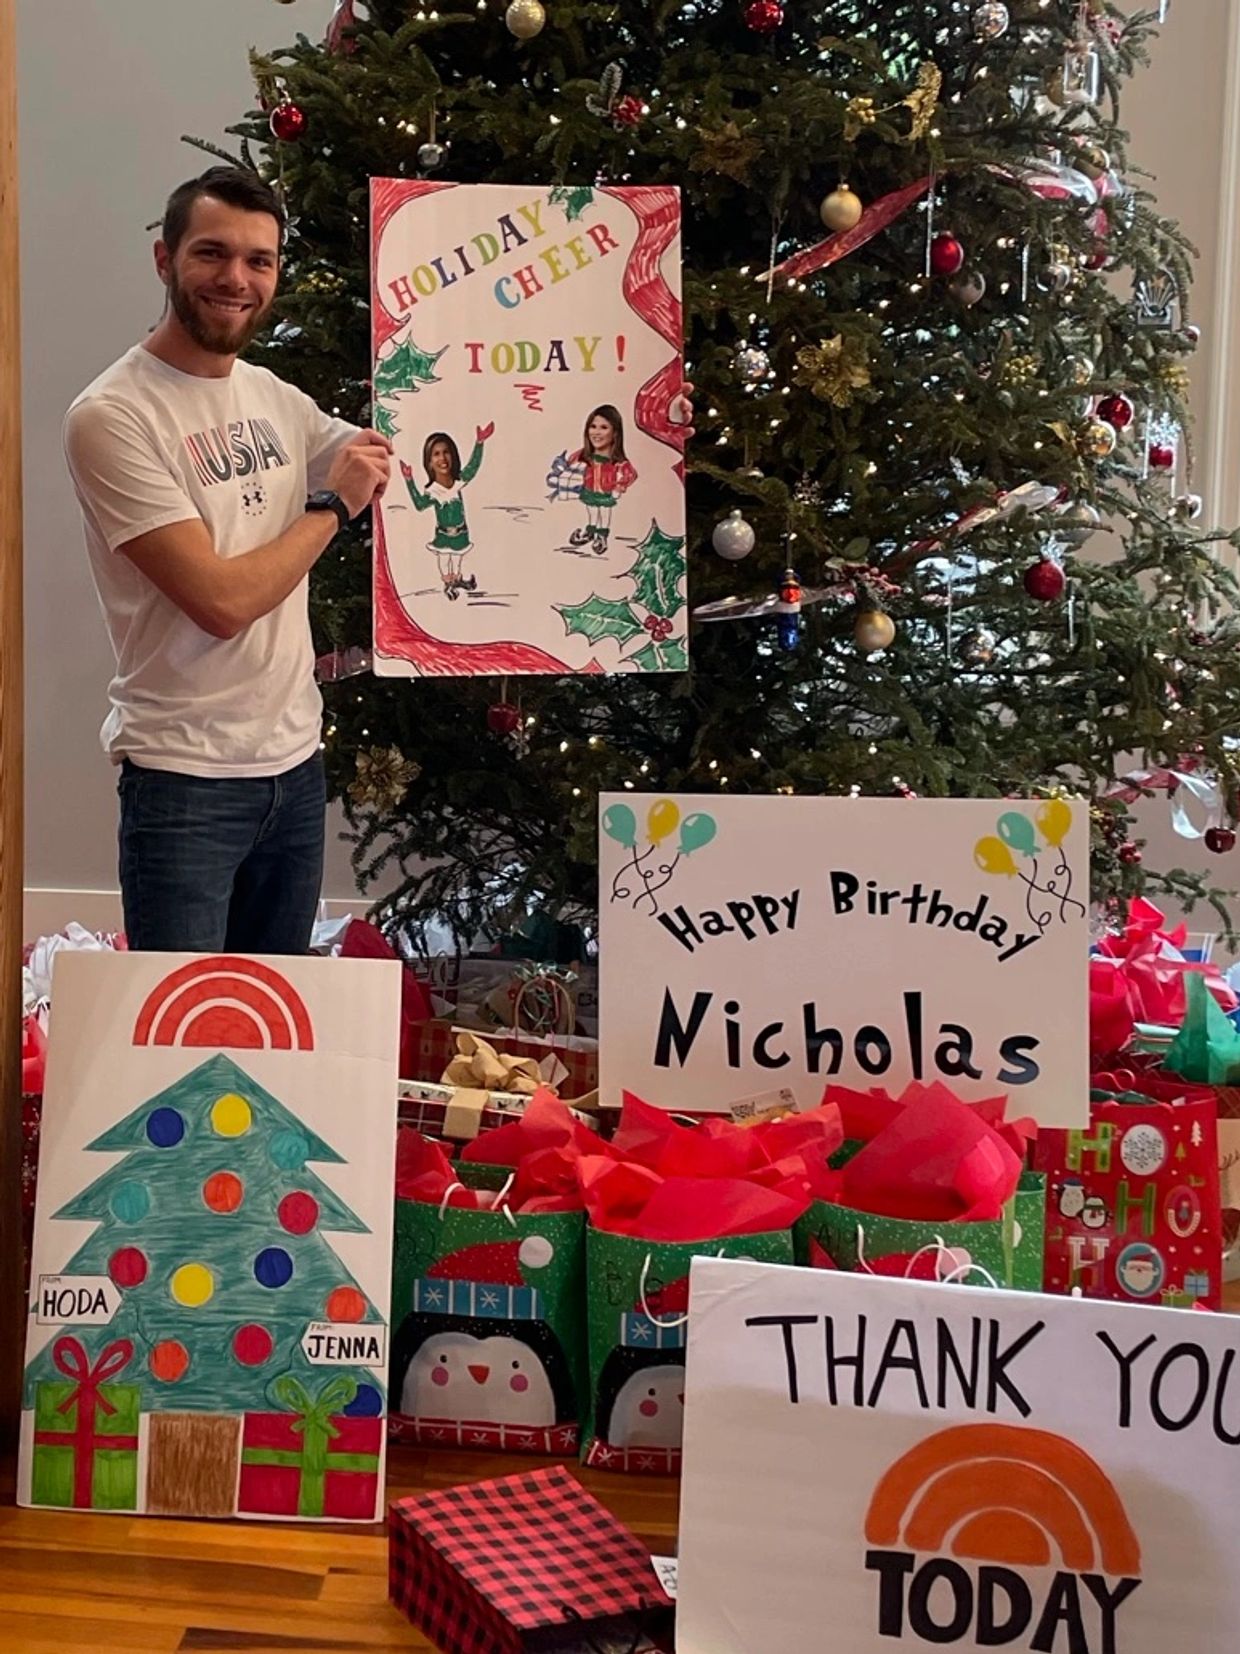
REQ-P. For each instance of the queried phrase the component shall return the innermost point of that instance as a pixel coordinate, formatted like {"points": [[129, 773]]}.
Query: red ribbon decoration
{"points": [[71, 1359], [876, 218]]}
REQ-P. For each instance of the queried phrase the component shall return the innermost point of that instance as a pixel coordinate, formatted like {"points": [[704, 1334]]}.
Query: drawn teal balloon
{"points": [[620, 823], [1019, 832], [696, 831]]}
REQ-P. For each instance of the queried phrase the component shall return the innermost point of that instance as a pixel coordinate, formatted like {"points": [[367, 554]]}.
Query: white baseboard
{"points": [[44, 912]]}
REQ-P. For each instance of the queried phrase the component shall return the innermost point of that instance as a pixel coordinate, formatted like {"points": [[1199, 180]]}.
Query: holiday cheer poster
{"points": [[527, 367], [749, 943], [208, 1306], [926, 1466]]}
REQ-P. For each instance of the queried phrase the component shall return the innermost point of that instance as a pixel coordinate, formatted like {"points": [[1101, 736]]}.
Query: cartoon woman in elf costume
{"points": [[445, 483], [607, 475]]}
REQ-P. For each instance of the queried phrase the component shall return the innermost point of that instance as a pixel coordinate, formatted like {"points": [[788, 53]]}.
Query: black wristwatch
{"points": [[325, 500]]}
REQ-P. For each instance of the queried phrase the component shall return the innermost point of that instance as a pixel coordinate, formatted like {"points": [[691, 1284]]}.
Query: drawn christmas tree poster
{"points": [[527, 367], [207, 1330]]}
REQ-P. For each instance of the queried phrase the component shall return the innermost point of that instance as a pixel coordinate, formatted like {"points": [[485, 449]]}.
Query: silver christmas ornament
{"points": [[968, 288], [733, 538], [1188, 507], [525, 18], [991, 20], [1098, 439], [1080, 371], [977, 648], [1076, 522], [752, 364], [430, 155]]}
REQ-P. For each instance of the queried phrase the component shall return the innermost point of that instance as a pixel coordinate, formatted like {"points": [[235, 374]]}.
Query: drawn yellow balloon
{"points": [[663, 820], [993, 856], [1055, 821]]}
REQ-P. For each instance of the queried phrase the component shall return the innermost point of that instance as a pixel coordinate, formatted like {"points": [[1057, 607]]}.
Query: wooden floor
{"points": [[77, 1584]]}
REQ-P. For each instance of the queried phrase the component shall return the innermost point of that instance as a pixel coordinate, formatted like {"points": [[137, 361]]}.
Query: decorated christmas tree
{"points": [[939, 334], [211, 1228]]}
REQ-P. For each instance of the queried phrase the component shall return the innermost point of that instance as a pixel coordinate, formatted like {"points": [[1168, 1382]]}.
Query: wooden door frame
{"points": [[12, 1295]]}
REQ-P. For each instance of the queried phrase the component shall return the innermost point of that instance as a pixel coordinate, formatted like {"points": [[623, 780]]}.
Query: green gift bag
{"points": [[638, 1303], [488, 1312], [1009, 1249]]}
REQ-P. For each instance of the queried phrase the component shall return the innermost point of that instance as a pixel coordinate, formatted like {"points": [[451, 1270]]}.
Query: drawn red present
{"points": [[311, 1461], [86, 1431]]}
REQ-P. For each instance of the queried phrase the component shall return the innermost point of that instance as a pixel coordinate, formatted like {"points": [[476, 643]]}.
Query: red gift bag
{"points": [[1134, 1204]]}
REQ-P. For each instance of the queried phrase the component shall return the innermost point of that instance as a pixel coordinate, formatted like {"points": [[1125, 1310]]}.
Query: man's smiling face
{"points": [[222, 278]]}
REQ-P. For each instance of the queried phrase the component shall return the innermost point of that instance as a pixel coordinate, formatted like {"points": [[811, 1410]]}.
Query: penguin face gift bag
{"points": [[487, 1311]]}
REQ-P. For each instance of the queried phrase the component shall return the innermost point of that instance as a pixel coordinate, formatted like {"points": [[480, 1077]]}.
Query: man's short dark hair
{"points": [[235, 186]]}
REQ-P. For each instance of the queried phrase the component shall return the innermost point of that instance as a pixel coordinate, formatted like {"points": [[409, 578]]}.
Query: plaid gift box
{"points": [[528, 1562]]}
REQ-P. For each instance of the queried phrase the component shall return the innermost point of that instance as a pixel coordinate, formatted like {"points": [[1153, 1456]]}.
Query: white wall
{"points": [[106, 89]]}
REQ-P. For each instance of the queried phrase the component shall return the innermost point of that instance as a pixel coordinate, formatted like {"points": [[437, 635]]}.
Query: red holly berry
{"points": [[1130, 855], [1117, 410], [288, 122], [1045, 580], [763, 16], [1220, 840], [503, 718], [628, 111]]}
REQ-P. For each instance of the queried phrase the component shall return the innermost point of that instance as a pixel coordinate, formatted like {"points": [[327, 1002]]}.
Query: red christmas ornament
{"points": [[1117, 410], [128, 1266], [763, 16], [252, 1344], [1130, 855], [946, 255], [1162, 456], [298, 1213], [1045, 580], [503, 718], [628, 111], [1220, 840], [288, 122]]}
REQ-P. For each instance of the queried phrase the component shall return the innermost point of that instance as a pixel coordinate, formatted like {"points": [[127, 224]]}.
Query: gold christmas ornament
{"points": [[383, 777], [1175, 376], [726, 149], [321, 281], [873, 630], [924, 101], [859, 113], [841, 210], [1020, 370], [1097, 439], [525, 18], [833, 369]]}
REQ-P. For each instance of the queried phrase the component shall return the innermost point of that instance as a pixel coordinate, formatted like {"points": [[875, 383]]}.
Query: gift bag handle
{"points": [[572, 1617], [447, 1196], [958, 1276], [501, 1200], [561, 1002], [676, 1321]]}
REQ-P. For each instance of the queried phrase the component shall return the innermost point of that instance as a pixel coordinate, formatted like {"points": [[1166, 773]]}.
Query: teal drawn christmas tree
{"points": [[213, 1228]]}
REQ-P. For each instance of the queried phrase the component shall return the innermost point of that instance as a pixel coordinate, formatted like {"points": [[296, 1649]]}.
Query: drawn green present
{"points": [[86, 1431]]}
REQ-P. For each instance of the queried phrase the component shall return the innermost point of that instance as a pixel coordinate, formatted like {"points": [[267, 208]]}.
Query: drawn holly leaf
{"points": [[573, 198], [385, 421], [658, 571], [405, 368], [599, 617], [668, 656]]}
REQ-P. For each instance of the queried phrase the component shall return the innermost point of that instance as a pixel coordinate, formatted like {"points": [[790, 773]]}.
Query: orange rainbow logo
{"points": [[225, 1002], [1003, 1494]]}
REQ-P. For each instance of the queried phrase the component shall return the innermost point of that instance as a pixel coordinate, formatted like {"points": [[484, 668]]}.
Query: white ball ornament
{"points": [[525, 18], [733, 538]]}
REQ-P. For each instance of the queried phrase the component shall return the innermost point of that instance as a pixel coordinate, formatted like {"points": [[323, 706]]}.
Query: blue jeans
{"points": [[221, 866]]}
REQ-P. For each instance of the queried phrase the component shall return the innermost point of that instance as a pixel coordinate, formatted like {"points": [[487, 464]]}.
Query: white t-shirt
{"points": [[149, 445]]}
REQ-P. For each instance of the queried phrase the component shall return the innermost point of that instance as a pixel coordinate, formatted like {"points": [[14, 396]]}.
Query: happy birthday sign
{"points": [[751, 942], [905, 1463], [527, 367]]}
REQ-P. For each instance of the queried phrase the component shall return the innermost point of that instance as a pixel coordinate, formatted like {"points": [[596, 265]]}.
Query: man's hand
{"points": [[359, 473], [681, 410]]}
